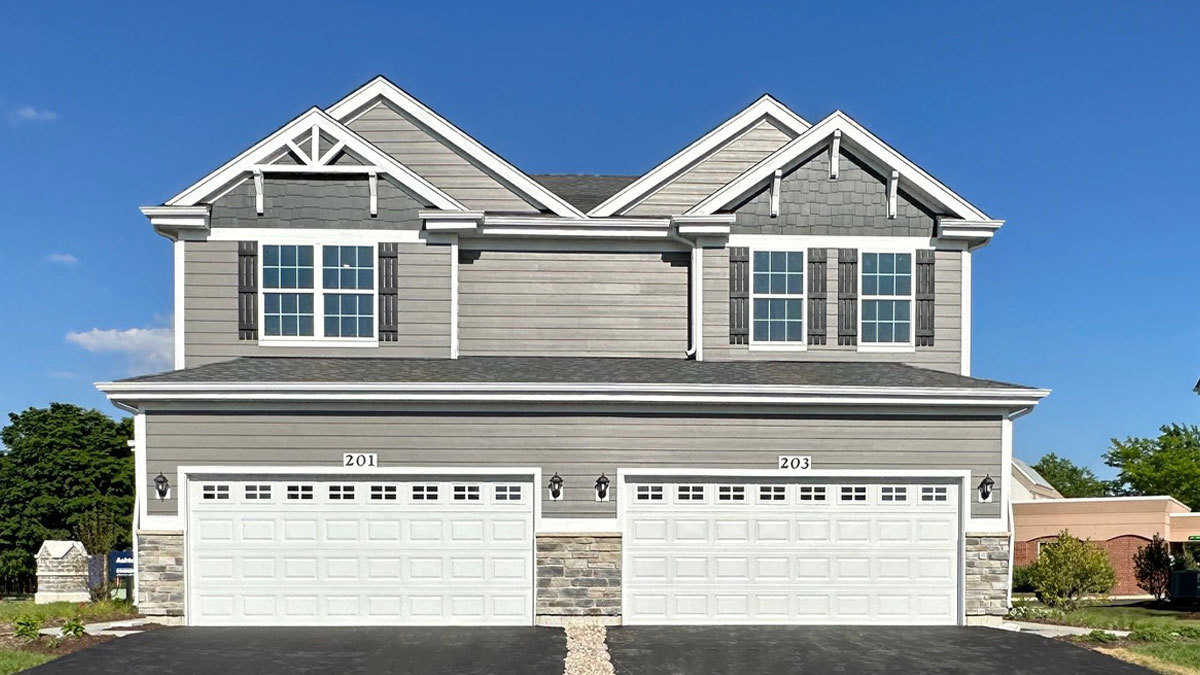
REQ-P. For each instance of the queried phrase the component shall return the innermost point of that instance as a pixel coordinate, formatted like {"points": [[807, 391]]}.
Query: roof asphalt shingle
{"points": [[566, 370], [584, 191]]}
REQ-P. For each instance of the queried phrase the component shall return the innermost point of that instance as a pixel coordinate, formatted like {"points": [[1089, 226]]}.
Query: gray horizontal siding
{"points": [[577, 446], [210, 307], [714, 171], [341, 202], [572, 303], [853, 204], [431, 158], [945, 354]]}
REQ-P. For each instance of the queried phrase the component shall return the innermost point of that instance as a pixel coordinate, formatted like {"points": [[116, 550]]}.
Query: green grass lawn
{"points": [[55, 613], [1185, 654], [14, 661], [1130, 617]]}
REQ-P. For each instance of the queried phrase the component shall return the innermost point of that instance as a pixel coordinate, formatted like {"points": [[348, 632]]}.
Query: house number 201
{"points": [[795, 462], [360, 460]]}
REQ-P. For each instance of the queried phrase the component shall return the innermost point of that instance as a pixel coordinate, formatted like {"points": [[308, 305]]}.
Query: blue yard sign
{"points": [[120, 564]]}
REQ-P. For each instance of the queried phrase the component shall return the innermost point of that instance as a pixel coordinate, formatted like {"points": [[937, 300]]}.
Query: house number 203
{"points": [[795, 462], [360, 460]]}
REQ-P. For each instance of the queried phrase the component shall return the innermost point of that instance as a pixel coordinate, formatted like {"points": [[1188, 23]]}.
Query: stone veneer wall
{"points": [[160, 573], [62, 579], [578, 575], [986, 577]]}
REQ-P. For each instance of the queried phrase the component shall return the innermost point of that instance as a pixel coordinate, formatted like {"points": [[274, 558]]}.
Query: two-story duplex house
{"points": [[416, 385]]}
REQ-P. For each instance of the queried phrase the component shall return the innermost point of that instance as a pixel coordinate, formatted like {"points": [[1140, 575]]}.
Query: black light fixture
{"points": [[985, 488], [556, 487], [602, 488], [162, 486]]}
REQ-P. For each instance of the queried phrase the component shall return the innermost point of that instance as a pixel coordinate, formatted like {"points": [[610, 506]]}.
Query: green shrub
{"points": [[1067, 569], [1152, 567], [1022, 581], [1152, 633], [1188, 631], [73, 627], [27, 627]]}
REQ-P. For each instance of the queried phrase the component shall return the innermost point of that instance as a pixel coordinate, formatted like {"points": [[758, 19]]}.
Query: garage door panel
{"points": [[878, 557], [361, 551]]}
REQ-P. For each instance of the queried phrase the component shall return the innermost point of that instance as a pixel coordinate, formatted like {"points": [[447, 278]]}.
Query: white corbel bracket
{"points": [[776, 184], [373, 182], [835, 152], [258, 191], [893, 182]]}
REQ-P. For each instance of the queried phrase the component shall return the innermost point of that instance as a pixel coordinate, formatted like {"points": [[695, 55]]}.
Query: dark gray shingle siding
{"points": [[304, 201]]}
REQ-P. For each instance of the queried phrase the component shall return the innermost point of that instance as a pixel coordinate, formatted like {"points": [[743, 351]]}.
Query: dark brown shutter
{"points": [[389, 282], [247, 290], [847, 296], [817, 282], [924, 322], [739, 295]]}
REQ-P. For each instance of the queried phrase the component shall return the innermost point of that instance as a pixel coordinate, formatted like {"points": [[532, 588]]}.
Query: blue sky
{"points": [[1075, 122]]}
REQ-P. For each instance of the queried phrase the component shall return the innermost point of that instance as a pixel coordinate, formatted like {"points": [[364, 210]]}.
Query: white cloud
{"points": [[28, 113], [63, 258], [148, 350]]}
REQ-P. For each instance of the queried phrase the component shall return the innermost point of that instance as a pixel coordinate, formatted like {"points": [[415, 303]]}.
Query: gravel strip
{"points": [[587, 651]]}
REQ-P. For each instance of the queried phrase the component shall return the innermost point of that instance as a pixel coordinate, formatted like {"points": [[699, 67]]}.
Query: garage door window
{"points": [[690, 493], [731, 493], [341, 492], [812, 493], [649, 493], [772, 493], [215, 492], [893, 494], [258, 492], [508, 493], [383, 493], [931, 493], [304, 492], [466, 493], [425, 493], [853, 494]]}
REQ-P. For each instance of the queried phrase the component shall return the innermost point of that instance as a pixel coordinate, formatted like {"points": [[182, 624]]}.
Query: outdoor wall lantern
{"points": [[162, 486], [985, 488], [556, 487], [602, 488]]}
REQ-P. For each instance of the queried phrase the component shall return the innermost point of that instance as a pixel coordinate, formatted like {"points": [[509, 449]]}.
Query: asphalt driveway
{"points": [[755, 650], [303, 651]]}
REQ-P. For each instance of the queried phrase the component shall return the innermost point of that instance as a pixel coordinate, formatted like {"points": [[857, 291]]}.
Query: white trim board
{"points": [[315, 236], [860, 142], [356, 102], [270, 148], [179, 322], [764, 107]]}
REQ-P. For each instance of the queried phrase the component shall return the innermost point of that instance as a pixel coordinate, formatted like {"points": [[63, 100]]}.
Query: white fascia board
{"points": [[975, 232], [451, 221], [267, 149], [765, 106], [854, 137], [606, 228], [382, 88], [178, 222]]}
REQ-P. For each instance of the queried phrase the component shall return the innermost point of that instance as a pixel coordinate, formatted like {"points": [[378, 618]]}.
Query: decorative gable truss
{"points": [[959, 219], [314, 144]]}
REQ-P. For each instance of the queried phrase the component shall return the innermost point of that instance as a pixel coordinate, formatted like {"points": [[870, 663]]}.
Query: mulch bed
{"points": [[46, 646]]}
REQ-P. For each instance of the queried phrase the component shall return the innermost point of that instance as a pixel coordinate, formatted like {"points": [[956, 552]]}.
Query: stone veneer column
{"points": [[160, 573], [986, 577], [578, 576]]}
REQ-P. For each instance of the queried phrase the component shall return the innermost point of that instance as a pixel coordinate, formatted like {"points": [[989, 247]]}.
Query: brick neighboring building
{"points": [[1118, 525]]}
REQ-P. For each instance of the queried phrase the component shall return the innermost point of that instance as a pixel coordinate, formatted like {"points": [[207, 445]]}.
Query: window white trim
{"points": [[777, 345], [318, 338], [889, 347]]}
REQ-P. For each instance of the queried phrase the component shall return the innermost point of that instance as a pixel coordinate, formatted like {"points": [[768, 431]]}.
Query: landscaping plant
{"points": [[1068, 569], [1022, 580], [27, 627], [1152, 567], [73, 627]]}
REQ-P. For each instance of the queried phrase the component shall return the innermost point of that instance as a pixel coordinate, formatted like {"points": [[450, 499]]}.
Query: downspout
{"points": [[693, 338]]}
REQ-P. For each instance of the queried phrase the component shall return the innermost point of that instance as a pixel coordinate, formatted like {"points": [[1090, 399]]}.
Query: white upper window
{"points": [[777, 297], [887, 295], [338, 303]]}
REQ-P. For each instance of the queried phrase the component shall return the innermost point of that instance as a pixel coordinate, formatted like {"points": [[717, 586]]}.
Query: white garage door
{"points": [[832, 552], [360, 551]]}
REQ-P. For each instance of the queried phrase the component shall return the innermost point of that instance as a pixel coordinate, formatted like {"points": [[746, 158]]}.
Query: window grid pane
{"points": [[778, 286], [349, 315], [886, 275], [288, 314], [348, 267]]}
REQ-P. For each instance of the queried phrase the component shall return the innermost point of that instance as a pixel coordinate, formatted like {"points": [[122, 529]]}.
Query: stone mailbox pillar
{"points": [[62, 573]]}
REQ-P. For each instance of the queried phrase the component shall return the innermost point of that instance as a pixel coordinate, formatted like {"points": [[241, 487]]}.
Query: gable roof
{"points": [[584, 191], [381, 88], [652, 180], [865, 146], [281, 141]]}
